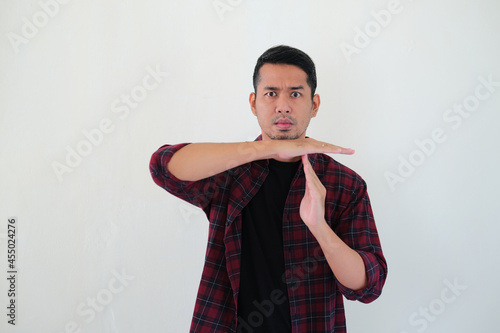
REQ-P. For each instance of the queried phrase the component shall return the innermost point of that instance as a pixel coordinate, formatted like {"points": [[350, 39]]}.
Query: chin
{"points": [[285, 136]]}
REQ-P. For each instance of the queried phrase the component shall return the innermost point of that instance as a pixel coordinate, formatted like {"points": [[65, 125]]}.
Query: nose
{"points": [[282, 105]]}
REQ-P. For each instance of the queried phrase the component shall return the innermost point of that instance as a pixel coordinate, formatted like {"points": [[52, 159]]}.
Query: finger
{"points": [[307, 165], [347, 151], [305, 161], [334, 149], [311, 177]]}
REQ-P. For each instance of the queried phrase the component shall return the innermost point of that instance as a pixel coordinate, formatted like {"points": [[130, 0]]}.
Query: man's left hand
{"points": [[312, 206]]}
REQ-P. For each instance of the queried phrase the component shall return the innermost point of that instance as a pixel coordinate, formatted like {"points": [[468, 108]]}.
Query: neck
{"points": [[293, 159]]}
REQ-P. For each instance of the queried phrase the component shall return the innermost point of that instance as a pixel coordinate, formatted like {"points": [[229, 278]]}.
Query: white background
{"points": [[105, 217]]}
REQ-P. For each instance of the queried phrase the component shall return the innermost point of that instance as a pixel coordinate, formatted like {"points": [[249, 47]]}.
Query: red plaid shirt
{"points": [[315, 296]]}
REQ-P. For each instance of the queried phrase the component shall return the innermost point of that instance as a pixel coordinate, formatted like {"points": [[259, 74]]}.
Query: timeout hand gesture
{"points": [[312, 206]]}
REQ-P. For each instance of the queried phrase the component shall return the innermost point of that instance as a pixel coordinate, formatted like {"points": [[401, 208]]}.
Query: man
{"points": [[291, 230]]}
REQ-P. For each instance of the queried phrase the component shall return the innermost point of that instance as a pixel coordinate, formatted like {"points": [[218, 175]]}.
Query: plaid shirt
{"points": [[315, 296]]}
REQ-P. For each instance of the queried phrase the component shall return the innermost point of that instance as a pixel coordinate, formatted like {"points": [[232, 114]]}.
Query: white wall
{"points": [[104, 217]]}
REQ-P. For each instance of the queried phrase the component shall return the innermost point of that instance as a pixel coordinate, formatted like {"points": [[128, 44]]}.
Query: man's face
{"points": [[283, 103]]}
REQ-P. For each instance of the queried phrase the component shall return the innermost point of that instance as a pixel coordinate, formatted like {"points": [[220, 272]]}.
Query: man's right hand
{"points": [[201, 160], [288, 150]]}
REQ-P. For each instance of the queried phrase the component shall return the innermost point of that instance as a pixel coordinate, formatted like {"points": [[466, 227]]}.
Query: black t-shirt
{"points": [[263, 304]]}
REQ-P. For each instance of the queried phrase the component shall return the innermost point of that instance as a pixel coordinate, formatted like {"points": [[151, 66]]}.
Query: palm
{"points": [[306, 208], [312, 206]]}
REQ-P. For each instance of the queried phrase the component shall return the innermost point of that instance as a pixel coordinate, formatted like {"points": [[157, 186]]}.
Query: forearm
{"points": [[345, 263], [201, 160]]}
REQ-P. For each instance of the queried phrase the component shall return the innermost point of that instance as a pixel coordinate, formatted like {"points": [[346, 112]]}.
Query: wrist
{"points": [[267, 149], [323, 233], [283, 150]]}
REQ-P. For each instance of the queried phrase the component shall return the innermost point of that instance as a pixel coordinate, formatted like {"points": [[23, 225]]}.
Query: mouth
{"points": [[283, 124]]}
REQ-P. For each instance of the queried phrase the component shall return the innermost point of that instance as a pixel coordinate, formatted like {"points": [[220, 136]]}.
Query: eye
{"points": [[296, 94], [271, 94]]}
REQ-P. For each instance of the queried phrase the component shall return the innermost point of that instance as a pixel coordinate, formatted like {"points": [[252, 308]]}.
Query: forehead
{"points": [[282, 75]]}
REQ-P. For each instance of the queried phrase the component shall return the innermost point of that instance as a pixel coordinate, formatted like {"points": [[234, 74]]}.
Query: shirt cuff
{"points": [[373, 289]]}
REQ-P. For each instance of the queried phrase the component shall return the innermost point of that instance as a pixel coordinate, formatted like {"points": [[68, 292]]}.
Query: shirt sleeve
{"points": [[199, 193], [357, 229]]}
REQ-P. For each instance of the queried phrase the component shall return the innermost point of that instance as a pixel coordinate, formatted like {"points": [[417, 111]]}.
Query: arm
{"points": [[361, 267], [200, 160], [194, 172], [346, 264]]}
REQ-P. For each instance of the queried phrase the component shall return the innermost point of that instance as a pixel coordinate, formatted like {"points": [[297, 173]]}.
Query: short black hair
{"points": [[283, 54]]}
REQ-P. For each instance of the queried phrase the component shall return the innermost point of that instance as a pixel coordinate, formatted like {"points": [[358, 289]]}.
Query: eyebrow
{"points": [[291, 88]]}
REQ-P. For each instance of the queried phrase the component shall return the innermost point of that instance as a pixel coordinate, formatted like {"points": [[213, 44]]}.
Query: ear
{"points": [[316, 101], [251, 99]]}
